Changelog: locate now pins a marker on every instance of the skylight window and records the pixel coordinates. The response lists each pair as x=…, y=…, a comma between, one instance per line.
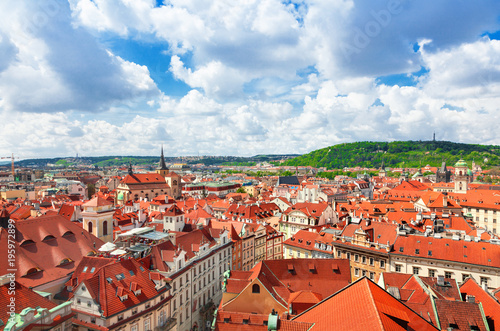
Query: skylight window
x=131, y=272
x=120, y=276
x=85, y=269
x=92, y=270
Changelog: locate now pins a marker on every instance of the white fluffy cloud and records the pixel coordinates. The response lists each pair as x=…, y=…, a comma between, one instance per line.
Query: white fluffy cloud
x=53, y=66
x=260, y=76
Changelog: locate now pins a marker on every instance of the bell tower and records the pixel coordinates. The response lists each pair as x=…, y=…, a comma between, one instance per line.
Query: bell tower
x=461, y=177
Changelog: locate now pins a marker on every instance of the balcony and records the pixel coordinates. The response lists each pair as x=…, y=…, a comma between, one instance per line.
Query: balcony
x=167, y=325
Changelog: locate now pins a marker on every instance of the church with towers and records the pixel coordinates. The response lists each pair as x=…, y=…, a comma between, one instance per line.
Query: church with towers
x=147, y=186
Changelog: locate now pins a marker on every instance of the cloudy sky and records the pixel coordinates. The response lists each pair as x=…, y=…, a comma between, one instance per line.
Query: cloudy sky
x=220, y=77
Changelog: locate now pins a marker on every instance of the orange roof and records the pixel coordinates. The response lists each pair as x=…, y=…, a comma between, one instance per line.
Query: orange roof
x=97, y=202
x=491, y=306
x=370, y=308
x=24, y=298
x=47, y=248
x=106, y=284
x=479, y=253
x=143, y=179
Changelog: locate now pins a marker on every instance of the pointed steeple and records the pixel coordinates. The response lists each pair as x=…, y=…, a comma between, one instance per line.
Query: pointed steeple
x=162, y=165
x=130, y=172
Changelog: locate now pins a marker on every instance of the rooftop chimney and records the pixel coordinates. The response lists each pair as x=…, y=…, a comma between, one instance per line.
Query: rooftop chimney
x=471, y=298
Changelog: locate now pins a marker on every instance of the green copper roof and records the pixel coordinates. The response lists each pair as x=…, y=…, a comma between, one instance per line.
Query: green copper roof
x=461, y=163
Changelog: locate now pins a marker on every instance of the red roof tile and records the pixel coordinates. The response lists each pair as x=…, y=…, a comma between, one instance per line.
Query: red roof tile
x=47, y=248
x=370, y=308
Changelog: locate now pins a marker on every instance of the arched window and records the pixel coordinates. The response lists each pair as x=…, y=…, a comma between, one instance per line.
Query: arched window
x=255, y=288
x=105, y=228
x=89, y=227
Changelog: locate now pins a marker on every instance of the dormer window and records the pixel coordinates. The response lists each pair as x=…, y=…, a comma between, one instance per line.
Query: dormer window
x=65, y=261
x=48, y=237
x=27, y=242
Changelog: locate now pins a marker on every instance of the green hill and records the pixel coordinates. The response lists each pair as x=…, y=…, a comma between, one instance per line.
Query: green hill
x=411, y=154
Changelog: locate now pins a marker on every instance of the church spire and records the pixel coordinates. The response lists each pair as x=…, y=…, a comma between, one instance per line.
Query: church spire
x=162, y=165
x=130, y=171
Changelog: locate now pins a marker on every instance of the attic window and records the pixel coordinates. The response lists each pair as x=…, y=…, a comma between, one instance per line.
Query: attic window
x=401, y=249
x=417, y=251
x=65, y=261
x=246, y=320
x=300, y=240
x=131, y=272
x=68, y=233
x=32, y=271
x=290, y=268
x=226, y=319
x=120, y=276
x=49, y=237
x=109, y=280
x=141, y=268
x=27, y=242
x=308, y=242
x=429, y=253
x=85, y=269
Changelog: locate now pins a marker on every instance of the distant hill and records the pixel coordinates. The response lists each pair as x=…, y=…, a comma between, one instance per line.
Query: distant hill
x=114, y=161
x=411, y=154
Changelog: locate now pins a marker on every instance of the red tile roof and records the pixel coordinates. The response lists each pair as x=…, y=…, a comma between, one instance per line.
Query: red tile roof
x=97, y=202
x=24, y=298
x=230, y=321
x=479, y=253
x=143, y=178
x=105, y=287
x=47, y=248
x=66, y=211
x=490, y=305
x=369, y=308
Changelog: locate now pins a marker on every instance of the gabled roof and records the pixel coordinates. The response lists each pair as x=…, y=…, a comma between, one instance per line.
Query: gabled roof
x=114, y=280
x=282, y=278
x=370, y=308
x=491, y=306
x=87, y=268
x=308, y=208
x=66, y=211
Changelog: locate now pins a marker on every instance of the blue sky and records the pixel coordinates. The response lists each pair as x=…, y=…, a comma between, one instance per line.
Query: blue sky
x=120, y=77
